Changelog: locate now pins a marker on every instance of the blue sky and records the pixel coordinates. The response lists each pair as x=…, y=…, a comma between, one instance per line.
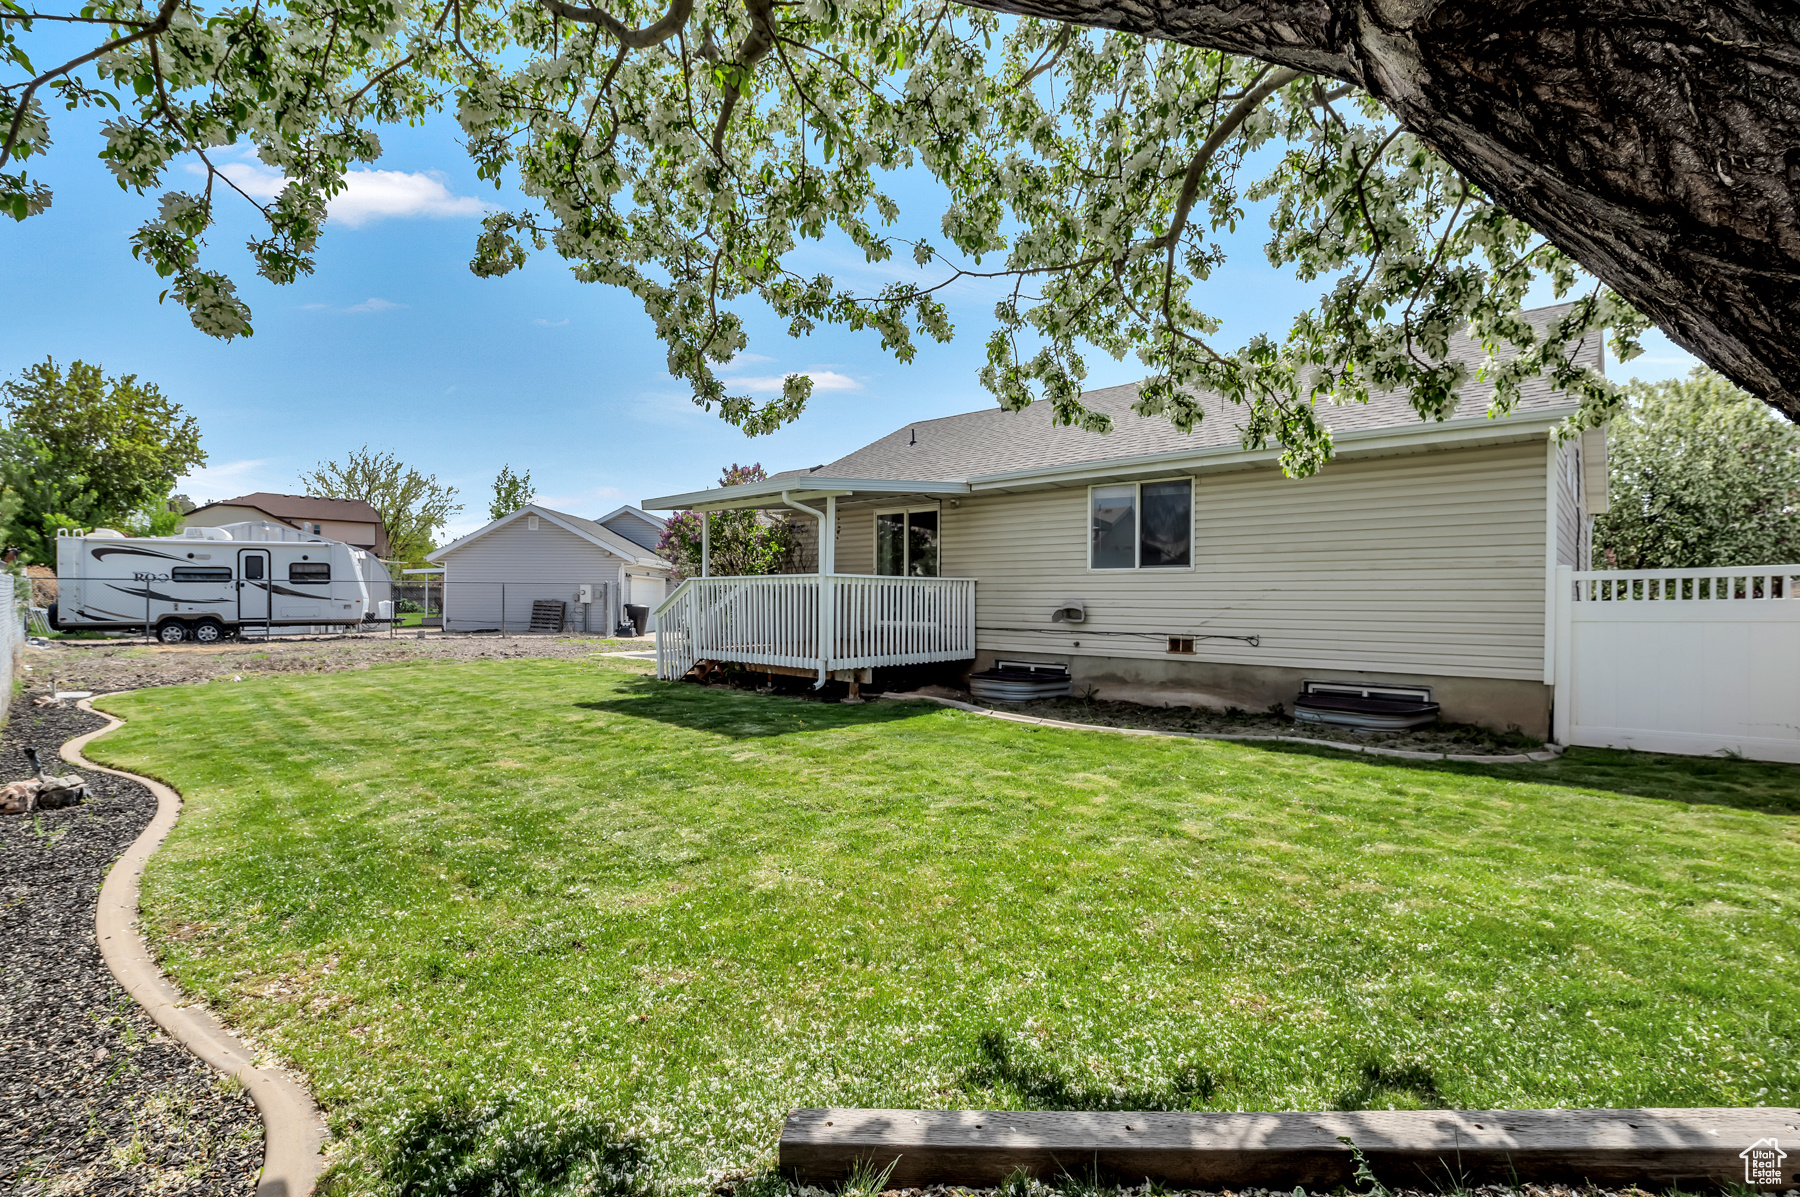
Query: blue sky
x=392, y=342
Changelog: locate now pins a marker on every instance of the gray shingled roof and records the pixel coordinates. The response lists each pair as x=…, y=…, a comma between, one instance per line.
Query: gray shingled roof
x=993, y=441
x=606, y=537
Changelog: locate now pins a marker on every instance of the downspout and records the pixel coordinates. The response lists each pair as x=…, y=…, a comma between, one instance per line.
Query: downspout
x=825, y=553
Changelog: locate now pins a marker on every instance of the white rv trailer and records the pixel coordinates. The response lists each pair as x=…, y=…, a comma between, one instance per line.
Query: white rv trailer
x=208, y=583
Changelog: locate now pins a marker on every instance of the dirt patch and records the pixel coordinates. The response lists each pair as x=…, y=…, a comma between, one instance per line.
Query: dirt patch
x=106, y=665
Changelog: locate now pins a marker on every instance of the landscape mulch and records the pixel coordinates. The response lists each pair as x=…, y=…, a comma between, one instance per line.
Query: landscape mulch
x=1041, y=1190
x=94, y=1098
x=1459, y=738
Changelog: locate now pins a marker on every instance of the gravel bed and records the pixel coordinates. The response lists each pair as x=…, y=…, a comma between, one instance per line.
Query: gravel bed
x=94, y=1098
x=106, y=665
x=1440, y=737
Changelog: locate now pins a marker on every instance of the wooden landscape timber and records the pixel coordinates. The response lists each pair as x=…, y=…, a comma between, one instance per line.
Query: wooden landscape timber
x=1655, y=1149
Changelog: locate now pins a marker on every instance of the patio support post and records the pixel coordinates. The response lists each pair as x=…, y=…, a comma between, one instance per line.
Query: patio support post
x=824, y=612
x=706, y=544
x=827, y=587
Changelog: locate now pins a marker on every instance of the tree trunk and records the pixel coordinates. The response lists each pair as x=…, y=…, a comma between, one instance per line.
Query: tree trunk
x=1655, y=141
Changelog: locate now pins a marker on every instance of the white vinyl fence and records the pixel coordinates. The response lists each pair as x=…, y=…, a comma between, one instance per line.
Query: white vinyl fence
x=1695, y=661
x=16, y=592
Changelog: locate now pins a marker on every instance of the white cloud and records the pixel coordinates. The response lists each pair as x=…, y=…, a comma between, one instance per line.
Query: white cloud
x=368, y=195
x=211, y=483
x=366, y=307
x=373, y=194
x=771, y=384
x=592, y=502
x=543, y=323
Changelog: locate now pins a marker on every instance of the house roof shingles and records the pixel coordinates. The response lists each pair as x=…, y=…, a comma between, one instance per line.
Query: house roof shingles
x=296, y=509
x=594, y=531
x=305, y=507
x=993, y=441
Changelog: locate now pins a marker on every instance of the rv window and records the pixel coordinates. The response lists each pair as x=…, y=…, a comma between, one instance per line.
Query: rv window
x=199, y=573
x=253, y=567
x=309, y=571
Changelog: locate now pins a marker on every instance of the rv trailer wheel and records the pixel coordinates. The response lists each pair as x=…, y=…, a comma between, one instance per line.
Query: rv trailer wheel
x=209, y=631
x=172, y=631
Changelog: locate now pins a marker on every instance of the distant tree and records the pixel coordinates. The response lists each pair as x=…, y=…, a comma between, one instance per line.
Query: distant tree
x=181, y=503
x=154, y=519
x=413, y=506
x=511, y=492
x=1701, y=474
x=743, y=542
x=47, y=499
x=81, y=449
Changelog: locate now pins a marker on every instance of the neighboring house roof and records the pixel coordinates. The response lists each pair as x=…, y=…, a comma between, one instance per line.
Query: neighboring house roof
x=297, y=509
x=269, y=515
x=628, y=520
x=589, y=530
x=994, y=441
x=304, y=507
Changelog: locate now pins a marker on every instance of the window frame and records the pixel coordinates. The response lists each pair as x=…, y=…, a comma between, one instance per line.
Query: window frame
x=1137, y=538
x=905, y=543
x=324, y=565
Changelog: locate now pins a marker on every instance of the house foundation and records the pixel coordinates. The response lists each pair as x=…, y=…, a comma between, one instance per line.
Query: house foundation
x=1502, y=704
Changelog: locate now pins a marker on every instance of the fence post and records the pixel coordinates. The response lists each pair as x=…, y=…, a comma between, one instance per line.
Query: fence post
x=1564, y=693
x=503, y=608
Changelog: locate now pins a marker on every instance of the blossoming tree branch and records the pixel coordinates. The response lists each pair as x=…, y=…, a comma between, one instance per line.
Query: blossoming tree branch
x=1426, y=162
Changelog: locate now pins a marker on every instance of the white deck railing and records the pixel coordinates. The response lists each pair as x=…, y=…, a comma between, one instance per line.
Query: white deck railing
x=1717, y=584
x=815, y=622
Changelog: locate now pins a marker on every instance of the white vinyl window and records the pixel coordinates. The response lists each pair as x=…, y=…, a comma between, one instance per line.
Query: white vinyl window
x=1141, y=525
x=906, y=542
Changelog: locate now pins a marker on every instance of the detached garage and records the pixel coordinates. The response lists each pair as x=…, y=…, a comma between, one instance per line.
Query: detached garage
x=494, y=576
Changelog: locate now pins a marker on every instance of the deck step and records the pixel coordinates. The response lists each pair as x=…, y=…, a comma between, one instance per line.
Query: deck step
x=1406, y=1148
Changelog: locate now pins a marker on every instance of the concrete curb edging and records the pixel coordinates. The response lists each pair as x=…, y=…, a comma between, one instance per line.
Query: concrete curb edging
x=1550, y=753
x=293, y=1129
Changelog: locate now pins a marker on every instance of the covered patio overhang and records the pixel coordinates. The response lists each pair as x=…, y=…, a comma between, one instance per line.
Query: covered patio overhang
x=837, y=625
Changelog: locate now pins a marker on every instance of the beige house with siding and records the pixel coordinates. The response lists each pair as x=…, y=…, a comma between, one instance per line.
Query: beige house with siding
x=1198, y=574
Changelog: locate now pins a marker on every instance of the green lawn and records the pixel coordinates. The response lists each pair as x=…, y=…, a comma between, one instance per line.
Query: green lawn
x=684, y=911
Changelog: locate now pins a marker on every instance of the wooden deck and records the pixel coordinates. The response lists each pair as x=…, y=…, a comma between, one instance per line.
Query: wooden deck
x=1656, y=1149
x=821, y=623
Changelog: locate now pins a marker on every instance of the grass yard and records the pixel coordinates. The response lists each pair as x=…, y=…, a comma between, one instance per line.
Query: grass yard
x=683, y=911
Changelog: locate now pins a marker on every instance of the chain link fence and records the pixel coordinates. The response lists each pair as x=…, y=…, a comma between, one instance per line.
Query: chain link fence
x=190, y=603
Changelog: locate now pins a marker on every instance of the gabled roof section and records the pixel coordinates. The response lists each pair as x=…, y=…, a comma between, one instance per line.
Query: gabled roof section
x=589, y=530
x=992, y=441
x=635, y=519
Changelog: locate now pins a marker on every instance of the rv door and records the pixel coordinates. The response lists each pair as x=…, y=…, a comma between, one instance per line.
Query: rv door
x=253, y=585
